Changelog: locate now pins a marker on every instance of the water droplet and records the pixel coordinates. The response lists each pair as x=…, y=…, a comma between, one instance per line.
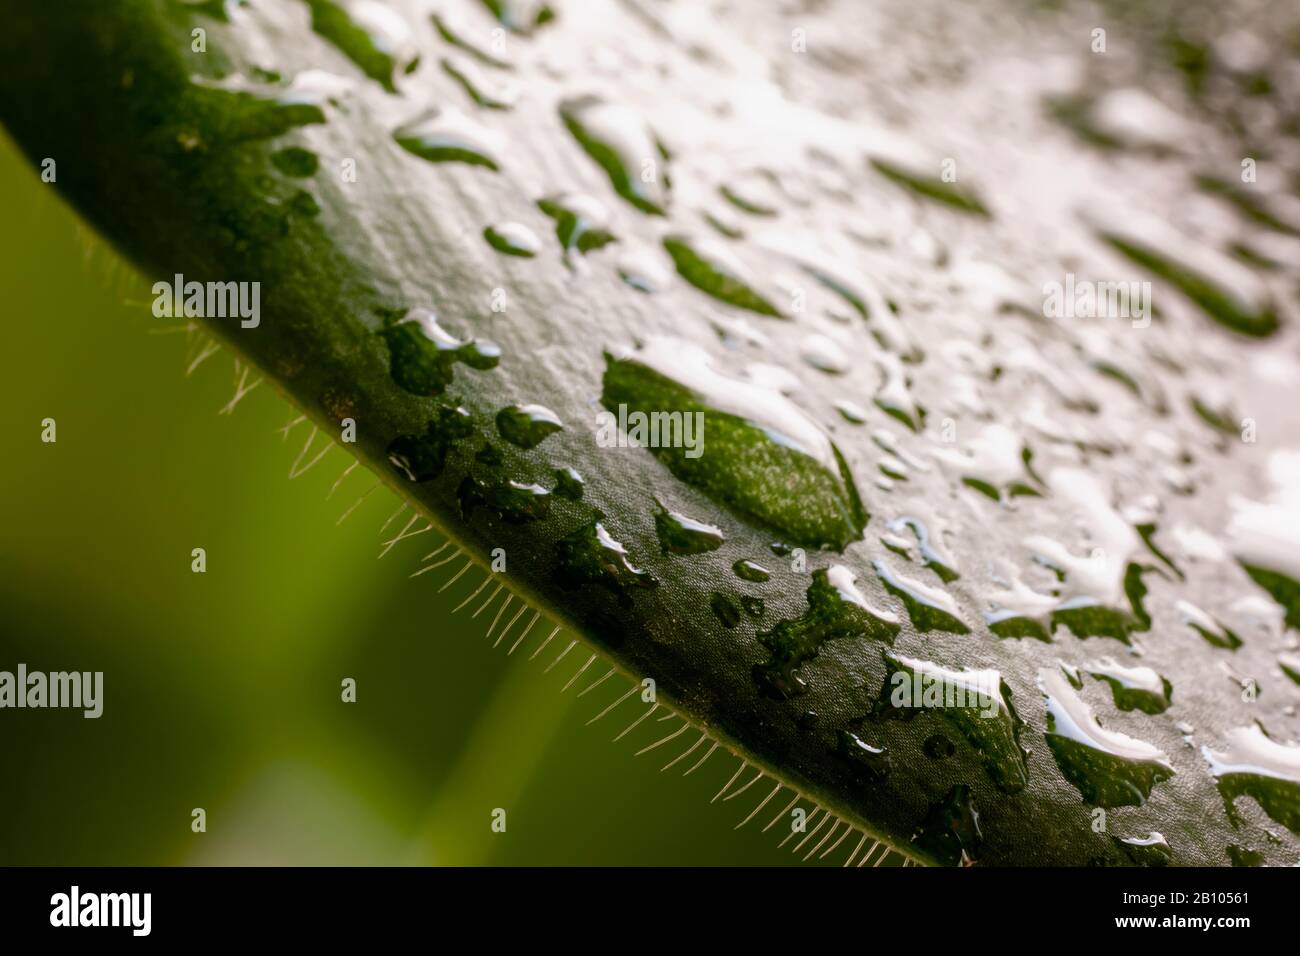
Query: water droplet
x=641, y=268
x=513, y=239
x=479, y=87
x=449, y=136
x=1279, y=212
x=824, y=354
x=1206, y=626
x=568, y=484
x=936, y=561
x=1217, y=411
x=1108, y=768
x=725, y=222
x=217, y=9
x=1290, y=665
x=1133, y=688
x=724, y=609
x=711, y=268
x=938, y=747
x=995, y=463
x=1128, y=117
x=511, y=501
x=950, y=832
x=251, y=110
x=746, y=197
x=953, y=195
x=295, y=161
x=423, y=353
x=975, y=703
x=894, y=395
x=750, y=571
x=930, y=609
x=319, y=88
x=527, y=426
x=1265, y=535
x=764, y=456
x=460, y=38
x=874, y=760
x=371, y=34
x=836, y=609
x=619, y=140
x=1253, y=765
x=851, y=412
x=581, y=222
x=1244, y=856
x=591, y=556
x=1095, y=587
x=303, y=204
x=422, y=457
x=1150, y=850
x=1226, y=291
x=679, y=534
x=521, y=16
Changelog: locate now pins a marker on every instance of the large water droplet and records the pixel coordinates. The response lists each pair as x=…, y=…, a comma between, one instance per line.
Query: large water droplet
x=757, y=451
x=1108, y=768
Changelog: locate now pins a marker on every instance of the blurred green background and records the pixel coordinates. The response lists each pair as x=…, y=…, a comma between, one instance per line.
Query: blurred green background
x=222, y=690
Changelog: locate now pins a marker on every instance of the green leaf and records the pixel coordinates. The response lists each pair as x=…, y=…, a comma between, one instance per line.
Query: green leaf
x=323, y=151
